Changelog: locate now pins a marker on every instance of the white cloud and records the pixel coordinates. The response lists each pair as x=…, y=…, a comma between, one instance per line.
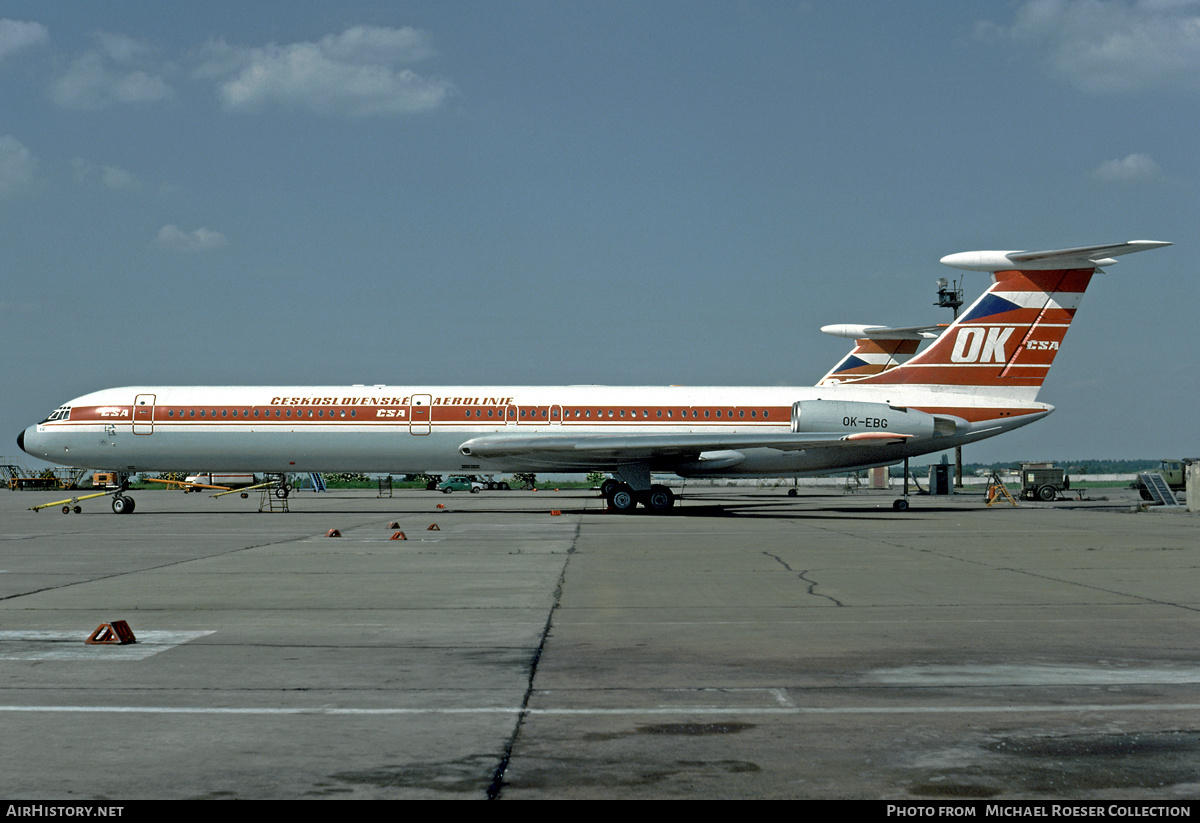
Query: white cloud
x=173, y=237
x=16, y=35
x=1105, y=46
x=353, y=73
x=117, y=178
x=121, y=70
x=17, y=167
x=1130, y=169
x=111, y=177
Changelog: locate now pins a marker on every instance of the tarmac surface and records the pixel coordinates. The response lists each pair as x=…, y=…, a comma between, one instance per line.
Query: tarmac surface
x=747, y=645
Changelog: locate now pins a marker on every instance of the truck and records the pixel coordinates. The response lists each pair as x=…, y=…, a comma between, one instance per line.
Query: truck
x=1172, y=469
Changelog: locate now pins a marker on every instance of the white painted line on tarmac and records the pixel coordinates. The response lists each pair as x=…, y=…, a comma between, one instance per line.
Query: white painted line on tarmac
x=659, y=711
x=70, y=645
x=1035, y=675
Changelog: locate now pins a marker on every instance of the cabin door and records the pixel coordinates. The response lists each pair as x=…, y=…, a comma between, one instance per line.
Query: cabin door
x=419, y=410
x=143, y=414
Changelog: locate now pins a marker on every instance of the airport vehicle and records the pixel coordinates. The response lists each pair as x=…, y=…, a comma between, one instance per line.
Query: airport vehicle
x=977, y=378
x=460, y=484
x=1043, y=481
x=1172, y=471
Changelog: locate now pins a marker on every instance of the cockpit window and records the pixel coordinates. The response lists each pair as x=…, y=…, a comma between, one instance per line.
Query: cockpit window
x=61, y=413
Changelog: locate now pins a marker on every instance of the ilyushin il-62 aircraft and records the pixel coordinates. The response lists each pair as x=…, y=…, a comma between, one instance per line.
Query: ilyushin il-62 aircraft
x=882, y=404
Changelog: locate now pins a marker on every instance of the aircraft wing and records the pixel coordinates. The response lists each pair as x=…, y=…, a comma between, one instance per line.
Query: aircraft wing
x=626, y=448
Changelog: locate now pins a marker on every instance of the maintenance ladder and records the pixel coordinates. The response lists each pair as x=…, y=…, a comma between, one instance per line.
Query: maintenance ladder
x=997, y=491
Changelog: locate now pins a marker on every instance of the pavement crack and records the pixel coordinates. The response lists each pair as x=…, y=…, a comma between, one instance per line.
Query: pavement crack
x=497, y=784
x=812, y=584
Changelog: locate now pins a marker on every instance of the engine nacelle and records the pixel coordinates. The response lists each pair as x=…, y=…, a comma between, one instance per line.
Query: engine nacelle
x=856, y=417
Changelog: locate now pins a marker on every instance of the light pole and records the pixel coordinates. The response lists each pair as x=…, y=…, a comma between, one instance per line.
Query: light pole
x=950, y=296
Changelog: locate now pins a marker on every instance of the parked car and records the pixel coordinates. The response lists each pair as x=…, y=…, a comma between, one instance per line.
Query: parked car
x=460, y=483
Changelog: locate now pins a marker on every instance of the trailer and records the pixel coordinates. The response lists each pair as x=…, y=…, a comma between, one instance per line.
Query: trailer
x=1043, y=481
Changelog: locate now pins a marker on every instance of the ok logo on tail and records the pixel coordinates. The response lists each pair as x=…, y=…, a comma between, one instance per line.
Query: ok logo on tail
x=975, y=344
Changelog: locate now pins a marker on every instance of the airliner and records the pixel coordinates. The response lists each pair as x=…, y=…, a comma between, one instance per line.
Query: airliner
x=882, y=404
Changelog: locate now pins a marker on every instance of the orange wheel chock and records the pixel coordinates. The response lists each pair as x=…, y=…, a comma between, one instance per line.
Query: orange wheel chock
x=398, y=536
x=333, y=533
x=433, y=527
x=114, y=633
x=555, y=512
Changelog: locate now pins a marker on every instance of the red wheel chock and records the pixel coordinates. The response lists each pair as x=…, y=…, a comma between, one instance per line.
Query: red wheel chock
x=114, y=633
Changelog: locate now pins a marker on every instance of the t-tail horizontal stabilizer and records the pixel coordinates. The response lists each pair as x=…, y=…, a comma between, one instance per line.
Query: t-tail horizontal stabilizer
x=1082, y=257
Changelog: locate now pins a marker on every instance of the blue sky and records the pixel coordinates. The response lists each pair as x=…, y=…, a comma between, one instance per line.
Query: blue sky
x=610, y=192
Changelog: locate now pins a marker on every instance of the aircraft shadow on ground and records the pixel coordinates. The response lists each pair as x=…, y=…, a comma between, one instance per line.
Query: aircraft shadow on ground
x=808, y=506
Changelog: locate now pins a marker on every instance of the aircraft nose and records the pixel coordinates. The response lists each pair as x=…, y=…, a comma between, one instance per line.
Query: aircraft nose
x=26, y=446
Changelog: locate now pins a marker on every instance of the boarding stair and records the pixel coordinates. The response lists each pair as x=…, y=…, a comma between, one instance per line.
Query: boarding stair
x=1160, y=492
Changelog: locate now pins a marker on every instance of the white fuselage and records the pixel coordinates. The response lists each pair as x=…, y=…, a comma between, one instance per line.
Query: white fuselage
x=408, y=429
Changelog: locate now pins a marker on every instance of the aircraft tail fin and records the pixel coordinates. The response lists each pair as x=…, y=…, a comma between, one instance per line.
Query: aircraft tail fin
x=1006, y=341
x=876, y=349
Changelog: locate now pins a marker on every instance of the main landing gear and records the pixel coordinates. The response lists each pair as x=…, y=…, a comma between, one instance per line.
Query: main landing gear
x=624, y=498
x=901, y=505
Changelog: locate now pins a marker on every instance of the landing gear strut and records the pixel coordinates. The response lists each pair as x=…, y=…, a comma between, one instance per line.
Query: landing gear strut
x=901, y=505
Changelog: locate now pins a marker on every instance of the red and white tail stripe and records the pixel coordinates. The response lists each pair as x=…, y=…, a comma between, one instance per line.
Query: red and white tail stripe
x=870, y=357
